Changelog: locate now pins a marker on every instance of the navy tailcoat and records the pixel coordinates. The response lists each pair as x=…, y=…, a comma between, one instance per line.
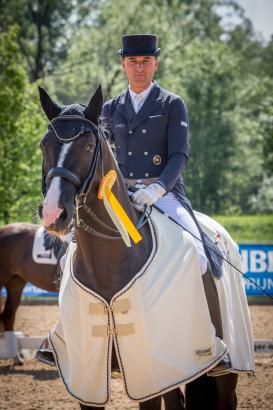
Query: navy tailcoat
x=152, y=142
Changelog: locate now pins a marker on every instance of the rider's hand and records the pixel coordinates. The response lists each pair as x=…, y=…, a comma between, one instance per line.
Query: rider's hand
x=149, y=195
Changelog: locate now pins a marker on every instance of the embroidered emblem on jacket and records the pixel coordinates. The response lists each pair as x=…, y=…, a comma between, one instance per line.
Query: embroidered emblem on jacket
x=157, y=159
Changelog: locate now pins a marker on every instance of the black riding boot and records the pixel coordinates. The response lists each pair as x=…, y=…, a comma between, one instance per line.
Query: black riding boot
x=213, y=302
x=216, y=319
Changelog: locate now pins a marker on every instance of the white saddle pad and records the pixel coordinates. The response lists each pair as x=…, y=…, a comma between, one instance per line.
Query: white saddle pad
x=39, y=253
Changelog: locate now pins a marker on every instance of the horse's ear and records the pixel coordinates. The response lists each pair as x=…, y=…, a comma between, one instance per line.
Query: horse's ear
x=51, y=109
x=94, y=107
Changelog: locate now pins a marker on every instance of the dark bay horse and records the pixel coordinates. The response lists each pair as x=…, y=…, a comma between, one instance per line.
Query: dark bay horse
x=75, y=159
x=17, y=267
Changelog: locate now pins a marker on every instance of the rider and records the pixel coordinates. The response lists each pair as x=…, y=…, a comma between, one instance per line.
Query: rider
x=149, y=127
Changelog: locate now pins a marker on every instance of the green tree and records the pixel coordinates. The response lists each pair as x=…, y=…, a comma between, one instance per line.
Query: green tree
x=43, y=31
x=21, y=128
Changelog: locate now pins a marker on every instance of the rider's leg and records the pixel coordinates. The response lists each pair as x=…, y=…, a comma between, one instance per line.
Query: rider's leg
x=173, y=208
x=213, y=302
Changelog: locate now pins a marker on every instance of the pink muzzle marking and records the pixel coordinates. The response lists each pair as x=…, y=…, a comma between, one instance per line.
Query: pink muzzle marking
x=51, y=211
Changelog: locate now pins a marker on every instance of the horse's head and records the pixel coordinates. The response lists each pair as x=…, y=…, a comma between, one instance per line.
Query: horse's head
x=70, y=150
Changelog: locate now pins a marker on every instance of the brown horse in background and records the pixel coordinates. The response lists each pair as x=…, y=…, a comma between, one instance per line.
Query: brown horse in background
x=17, y=267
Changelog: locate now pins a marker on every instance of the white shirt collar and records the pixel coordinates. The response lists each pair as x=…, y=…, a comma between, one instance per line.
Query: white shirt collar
x=143, y=95
x=139, y=99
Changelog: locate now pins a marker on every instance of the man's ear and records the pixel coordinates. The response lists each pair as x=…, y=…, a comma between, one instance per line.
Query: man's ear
x=122, y=65
x=157, y=64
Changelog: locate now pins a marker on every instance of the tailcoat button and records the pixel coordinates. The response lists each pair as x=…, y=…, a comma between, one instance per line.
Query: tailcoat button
x=146, y=175
x=131, y=174
x=145, y=153
x=144, y=131
x=130, y=132
x=130, y=153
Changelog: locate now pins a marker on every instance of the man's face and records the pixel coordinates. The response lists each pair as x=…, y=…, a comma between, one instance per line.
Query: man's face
x=140, y=71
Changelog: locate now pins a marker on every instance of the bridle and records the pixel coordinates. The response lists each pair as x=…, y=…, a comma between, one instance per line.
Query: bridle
x=83, y=187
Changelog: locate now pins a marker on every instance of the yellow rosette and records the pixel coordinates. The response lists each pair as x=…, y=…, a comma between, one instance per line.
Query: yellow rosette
x=115, y=210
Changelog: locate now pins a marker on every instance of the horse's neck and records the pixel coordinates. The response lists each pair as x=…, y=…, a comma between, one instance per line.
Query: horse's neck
x=105, y=265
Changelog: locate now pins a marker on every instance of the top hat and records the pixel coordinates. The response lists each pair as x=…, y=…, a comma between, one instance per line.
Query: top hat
x=139, y=45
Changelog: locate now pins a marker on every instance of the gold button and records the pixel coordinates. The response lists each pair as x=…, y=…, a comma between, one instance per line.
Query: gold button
x=157, y=159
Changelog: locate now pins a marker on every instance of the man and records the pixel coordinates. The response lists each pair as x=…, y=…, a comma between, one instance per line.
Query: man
x=149, y=127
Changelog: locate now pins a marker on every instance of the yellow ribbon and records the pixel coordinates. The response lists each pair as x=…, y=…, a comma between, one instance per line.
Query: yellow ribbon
x=116, y=211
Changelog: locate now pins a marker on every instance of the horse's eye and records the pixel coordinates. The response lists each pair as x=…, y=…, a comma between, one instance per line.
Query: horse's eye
x=90, y=147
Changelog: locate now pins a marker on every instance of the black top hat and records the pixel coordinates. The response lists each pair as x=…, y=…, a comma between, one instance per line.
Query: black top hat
x=139, y=45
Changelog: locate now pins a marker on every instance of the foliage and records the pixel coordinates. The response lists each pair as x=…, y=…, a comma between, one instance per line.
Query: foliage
x=21, y=125
x=224, y=74
x=42, y=37
x=248, y=228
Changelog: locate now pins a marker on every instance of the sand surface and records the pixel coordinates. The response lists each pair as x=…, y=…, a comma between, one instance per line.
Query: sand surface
x=35, y=386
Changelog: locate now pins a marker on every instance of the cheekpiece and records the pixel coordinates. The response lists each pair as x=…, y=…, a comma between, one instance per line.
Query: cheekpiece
x=139, y=45
x=71, y=123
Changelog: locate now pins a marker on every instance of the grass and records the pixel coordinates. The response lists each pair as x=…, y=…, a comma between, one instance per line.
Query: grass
x=248, y=228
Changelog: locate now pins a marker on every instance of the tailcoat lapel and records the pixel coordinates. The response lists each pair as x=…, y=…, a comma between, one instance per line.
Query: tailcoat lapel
x=125, y=108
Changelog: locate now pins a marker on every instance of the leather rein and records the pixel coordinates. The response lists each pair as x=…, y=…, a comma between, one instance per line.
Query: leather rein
x=84, y=186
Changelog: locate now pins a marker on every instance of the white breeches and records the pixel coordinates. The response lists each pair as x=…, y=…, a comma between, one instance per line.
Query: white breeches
x=173, y=208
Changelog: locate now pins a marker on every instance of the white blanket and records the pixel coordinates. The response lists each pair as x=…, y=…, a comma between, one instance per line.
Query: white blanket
x=233, y=303
x=163, y=334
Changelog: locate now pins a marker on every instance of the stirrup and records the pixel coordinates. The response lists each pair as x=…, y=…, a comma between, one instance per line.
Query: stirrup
x=45, y=355
x=222, y=368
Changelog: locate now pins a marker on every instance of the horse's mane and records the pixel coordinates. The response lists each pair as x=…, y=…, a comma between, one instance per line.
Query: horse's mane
x=52, y=242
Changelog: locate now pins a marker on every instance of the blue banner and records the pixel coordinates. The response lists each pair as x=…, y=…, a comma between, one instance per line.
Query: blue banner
x=257, y=265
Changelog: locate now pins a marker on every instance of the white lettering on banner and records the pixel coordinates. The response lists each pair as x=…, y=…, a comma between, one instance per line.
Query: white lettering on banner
x=270, y=261
x=264, y=283
x=244, y=258
x=258, y=261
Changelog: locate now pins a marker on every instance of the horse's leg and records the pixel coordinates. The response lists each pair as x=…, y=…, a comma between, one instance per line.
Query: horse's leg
x=174, y=400
x=14, y=288
x=152, y=404
x=226, y=391
x=201, y=393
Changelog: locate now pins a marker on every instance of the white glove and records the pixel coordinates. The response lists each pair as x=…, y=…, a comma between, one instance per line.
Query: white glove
x=149, y=195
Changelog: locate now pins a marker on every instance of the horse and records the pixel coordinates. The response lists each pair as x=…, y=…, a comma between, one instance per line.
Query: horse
x=76, y=158
x=17, y=267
